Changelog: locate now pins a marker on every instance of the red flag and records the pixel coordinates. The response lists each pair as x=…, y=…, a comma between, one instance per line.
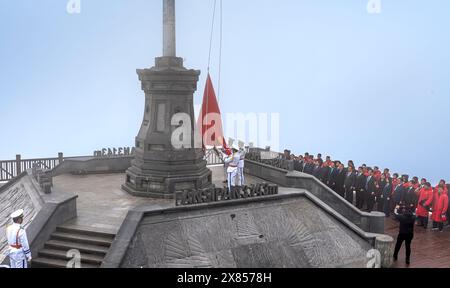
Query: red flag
x=210, y=119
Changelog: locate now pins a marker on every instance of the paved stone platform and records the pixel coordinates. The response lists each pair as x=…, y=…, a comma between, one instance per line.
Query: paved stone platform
x=103, y=205
x=430, y=249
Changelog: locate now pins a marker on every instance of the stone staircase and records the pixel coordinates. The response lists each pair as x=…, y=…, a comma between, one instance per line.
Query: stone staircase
x=92, y=245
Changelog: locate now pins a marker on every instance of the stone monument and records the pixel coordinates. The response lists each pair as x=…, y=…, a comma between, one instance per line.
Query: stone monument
x=159, y=170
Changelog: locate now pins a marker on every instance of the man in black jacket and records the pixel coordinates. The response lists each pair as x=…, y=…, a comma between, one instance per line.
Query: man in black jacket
x=370, y=189
x=340, y=180
x=410, y=198
x=316, y=170
x=349, y=184
x=360, y=188
x=324, y=173
x=407, y=219
x=332, y=177
x=309, y=166
x=298, y=163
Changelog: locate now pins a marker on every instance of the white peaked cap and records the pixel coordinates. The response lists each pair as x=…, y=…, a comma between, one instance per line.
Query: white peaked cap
x=17, y=213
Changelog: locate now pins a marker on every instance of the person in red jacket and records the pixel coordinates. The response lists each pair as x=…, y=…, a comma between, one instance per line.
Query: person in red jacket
x=440, y=206
x=426, y=195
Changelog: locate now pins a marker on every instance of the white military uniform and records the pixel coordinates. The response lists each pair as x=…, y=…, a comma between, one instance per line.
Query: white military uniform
x=19, y=249
x=241, y=166
x=232, y=170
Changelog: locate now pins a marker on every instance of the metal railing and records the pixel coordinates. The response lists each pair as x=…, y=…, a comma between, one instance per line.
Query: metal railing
x=9, y=169
x=212, y=158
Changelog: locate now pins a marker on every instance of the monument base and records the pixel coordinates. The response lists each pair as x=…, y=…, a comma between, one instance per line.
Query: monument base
x=163, y=179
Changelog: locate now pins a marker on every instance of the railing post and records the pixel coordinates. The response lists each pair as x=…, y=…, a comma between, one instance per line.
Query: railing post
x=18, y=165
x=60, y=157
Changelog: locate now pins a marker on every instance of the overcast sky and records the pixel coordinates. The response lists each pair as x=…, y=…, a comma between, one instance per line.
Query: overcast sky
x=370, y=87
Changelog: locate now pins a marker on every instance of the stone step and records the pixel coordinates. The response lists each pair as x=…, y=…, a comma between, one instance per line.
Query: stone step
x=42, y=262
x=62, y=255
x=82, y=247
x=73, y=229
x=85, y=239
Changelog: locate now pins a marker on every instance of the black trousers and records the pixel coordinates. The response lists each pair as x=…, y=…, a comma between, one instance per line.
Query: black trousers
x=340, y=190
x=380, y=204
x=438, y=225
x=360, y=198
x=349, y=195
x=370, y=201
x=407, y=238
x=423, y=221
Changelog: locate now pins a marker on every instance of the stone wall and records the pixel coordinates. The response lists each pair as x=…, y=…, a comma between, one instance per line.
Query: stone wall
x=43, y=212
x=21, y=193
x=92, y=165
x=275, y=231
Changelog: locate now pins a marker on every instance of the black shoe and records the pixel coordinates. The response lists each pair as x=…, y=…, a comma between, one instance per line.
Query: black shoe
x=408, y=262
x=395, y=258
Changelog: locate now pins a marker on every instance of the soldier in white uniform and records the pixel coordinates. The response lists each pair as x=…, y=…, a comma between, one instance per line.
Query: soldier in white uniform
x=241, y=166
x=19, y=249
x=232, y=162
x=225, y=154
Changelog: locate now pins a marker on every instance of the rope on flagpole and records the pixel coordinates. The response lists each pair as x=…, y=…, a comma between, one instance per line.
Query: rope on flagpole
x=220, y=52
x=212, y=33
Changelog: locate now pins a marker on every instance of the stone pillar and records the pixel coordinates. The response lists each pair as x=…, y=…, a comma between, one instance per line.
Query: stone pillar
x=169, y=33
x=18, y=164
x=60, y=157
x=376, y=222
x=385, y=245
x=159, y=170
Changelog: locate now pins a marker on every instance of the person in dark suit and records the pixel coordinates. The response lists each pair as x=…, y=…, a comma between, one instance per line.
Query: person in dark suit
x=398, y=192
x=360, y=188
x=410, y=197
x=379, y=194
x=298, y=163
x=332, y=178
x=371, y=190
x=349, y=184
x=309, y=166
x=387, y=197
x=340, y=181
x=324, y=173
x=316, y=170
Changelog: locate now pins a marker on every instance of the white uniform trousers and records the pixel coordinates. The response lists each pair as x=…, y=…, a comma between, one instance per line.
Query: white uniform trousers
x=17, y=259
x=232, y=173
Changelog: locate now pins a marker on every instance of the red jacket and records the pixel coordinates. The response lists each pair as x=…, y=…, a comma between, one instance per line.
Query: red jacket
x=435, y=196
x=441, y=207
x=425, y=196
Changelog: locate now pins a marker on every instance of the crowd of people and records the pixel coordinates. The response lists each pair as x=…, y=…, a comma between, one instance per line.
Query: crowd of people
x=371, y=189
